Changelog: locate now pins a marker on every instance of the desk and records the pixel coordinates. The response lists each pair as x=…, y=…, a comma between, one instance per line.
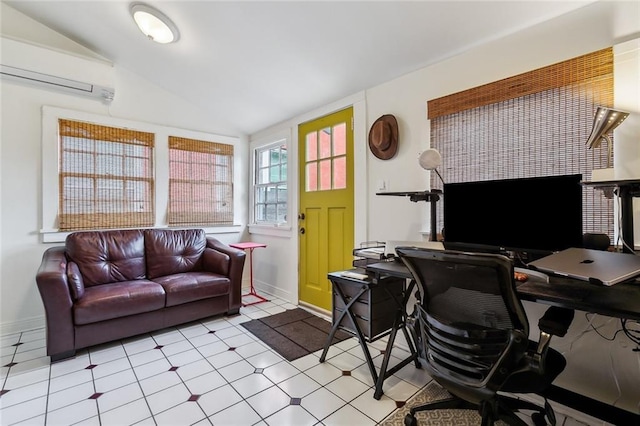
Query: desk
x=349, y=291
x=620, y=301
x=250, y=246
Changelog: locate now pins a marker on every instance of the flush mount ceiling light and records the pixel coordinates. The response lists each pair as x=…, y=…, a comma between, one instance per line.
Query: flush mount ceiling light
x=154, y=24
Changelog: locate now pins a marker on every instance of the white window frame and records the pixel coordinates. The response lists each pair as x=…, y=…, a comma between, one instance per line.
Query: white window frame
x=50, y=161
x=270, y=228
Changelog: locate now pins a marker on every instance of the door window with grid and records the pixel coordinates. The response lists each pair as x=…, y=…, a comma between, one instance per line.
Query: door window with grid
x=200, y=182
x=270, y=184
x=105, y=177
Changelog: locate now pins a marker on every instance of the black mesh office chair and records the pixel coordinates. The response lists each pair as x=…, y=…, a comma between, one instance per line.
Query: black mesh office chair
x=474, y=334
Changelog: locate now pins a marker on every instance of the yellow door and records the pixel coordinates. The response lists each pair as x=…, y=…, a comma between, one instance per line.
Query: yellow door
x=325, y=220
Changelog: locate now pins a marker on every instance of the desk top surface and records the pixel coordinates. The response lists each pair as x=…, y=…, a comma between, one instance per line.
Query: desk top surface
x=247, y=245
x=621, y=300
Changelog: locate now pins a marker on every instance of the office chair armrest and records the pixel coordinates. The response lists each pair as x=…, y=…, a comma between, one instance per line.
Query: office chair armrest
x=554, y=322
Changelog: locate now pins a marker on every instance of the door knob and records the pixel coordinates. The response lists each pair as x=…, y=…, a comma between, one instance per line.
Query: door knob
x=302, y=231
x=301, y=216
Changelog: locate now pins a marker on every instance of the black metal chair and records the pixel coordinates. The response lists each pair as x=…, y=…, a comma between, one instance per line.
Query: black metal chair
x=474, y=334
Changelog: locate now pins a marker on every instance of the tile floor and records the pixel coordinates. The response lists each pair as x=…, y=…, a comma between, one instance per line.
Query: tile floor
x=211, y=372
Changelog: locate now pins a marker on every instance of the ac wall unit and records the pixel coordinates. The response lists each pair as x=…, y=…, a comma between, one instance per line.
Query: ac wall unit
x=106, y=94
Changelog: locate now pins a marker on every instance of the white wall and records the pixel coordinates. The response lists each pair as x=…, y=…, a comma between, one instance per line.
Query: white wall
x=592, y=360
x=21, y=175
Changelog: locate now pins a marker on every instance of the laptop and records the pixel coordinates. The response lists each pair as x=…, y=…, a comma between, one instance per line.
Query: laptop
x=601, y=267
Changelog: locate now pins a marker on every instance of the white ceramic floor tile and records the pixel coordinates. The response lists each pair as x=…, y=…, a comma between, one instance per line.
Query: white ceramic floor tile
x=223, y=359
x=193, y=329
x=377, y=410
x=203, y=339
x=346, y=416
x=114, y=381
x=24, y=393
x=251, y=385
x=213, y=348
x=264, y=359
x=184, y=358
x=323, y=373
x=345, y=361
x=157, y=383
x=237, y=370
x=106, y=353
x=127, y=414
x=73, y=413
x=112, y=367
x=119, y=397
x=168, y=337
x=70, y=380
x=293, y=415
x=30, y=346
x=70, y=396
x=150, y=369
x=348, y=388
x=26, y=410
x=239, y=340
x=138, y=344
x=251, y=349
x=225, y=333
x=240, y=414
x=299, y=386
x=322, y=403
x=145, y=357
x=258, y=314
x=269, y=401
x=347, y=344
x=397, y=389
x=238, y=319
x=186, y=413
x=280, y=371
x=219, y=399
x=363, y=374
x=305, y=362
x=416, y=376
x=167, y=398
x=195, y=369
x=176, y=347
x=275, y=310
x=205, y=383
x=15, y=381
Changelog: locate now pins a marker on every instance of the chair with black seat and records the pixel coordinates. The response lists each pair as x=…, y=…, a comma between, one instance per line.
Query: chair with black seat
x=474, y=334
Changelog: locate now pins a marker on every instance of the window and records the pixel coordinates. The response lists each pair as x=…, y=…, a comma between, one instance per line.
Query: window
x=200, y=182
x=270, y=184
x=105, y=177
x=326, y=159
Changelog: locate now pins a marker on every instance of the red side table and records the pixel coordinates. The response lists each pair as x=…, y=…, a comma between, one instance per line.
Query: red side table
x=249, y=247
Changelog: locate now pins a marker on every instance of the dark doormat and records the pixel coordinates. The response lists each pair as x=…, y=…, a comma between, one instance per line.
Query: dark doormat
x=294, y=333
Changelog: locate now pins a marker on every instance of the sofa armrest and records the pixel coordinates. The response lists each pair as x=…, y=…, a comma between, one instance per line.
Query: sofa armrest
x=53, y=286
x=234, y=270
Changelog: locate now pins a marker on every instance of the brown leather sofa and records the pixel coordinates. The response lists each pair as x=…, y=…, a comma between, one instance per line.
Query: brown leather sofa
x=108, y=285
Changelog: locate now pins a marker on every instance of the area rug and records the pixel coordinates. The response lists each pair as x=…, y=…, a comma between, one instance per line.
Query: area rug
x=433, y=392
x=294, y=333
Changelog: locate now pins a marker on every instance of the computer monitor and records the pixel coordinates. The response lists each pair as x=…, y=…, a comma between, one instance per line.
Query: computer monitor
x=536, y=215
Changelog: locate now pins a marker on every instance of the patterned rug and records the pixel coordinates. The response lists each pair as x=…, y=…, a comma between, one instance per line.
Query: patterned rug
x=294, y=333
x=433, y=392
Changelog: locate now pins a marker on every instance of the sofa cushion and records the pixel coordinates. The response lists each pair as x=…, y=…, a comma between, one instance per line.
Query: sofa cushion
x=107, y=256
x=74, y=278
x=189, y=286
x=115, y=300
x=173, y=251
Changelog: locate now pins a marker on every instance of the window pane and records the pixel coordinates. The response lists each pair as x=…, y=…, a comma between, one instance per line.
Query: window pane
x=340, y=139
x=263, y=176
x=274, y=174
x=325, y=142
x=282, y=212
x=260, y=213
x=283, y=172
x=325, y=175
x=312, y=146
x=282, y=193
x=261, y=196
x=263, y=159
x=340, y=173
x=275, y=155
x=272, y=194
x=271, y=213
x=312, y=177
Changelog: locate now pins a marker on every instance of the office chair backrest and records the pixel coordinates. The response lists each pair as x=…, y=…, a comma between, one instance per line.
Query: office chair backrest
x=474, y=328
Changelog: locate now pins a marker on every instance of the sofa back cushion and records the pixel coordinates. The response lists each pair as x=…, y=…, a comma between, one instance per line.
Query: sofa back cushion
x=107, y=256
x=173, y=251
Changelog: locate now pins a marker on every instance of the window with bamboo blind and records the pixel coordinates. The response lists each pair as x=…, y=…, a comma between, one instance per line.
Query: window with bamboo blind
x=200, y=182
x=532, y=124
x=105, y=177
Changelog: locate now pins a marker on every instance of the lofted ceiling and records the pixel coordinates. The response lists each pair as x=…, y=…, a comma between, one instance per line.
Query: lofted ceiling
x=254, y=64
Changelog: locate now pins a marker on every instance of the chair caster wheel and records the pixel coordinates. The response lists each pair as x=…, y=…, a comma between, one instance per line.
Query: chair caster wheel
x=538, y=419
x=410, y=420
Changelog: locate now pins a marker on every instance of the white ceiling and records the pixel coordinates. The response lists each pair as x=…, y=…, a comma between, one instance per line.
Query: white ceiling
x=254, y=64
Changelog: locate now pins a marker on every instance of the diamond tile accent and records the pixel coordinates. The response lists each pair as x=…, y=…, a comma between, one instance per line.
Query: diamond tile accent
x=295, y=401
x=11, y=364
x=193, y=398
x=3, y=391
x=212, y=332
x=95, y=395
x=231, y=348
x=258, y=370
x=18, y=344
x=90, y=367
x=159, y=347
x=346, y=373
x=173, y=368
x=400, y=404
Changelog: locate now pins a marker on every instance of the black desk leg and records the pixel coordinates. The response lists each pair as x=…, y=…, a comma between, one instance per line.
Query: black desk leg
x=349, y=314
x=399, y=322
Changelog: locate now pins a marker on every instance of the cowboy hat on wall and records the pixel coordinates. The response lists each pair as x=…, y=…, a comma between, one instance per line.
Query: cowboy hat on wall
x=383, y=137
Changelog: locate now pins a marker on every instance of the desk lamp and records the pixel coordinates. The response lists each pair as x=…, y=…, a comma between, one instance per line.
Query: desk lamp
x=605, y=120
x=431, y=159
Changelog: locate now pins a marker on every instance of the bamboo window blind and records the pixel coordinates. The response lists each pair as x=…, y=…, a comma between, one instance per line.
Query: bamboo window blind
x=200, y=182
x=532, y=124
x=105, y=177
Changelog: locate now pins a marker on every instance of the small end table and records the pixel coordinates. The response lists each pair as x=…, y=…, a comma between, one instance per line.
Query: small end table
x=249, y=247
